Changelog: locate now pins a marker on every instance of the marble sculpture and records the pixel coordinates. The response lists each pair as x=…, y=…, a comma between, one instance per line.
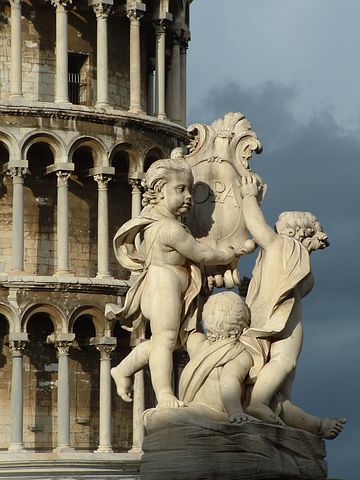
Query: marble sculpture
x=200, y=210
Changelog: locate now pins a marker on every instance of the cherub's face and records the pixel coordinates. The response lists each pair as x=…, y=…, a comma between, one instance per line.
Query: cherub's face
x=314, y=239
x=175, y=195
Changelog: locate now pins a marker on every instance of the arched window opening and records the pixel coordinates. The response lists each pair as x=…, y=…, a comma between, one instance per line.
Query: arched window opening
x=83, y=201
x=40, y=206
x=151, y=157
x=4, y=155
x=40, y=380
x=84, y=329
x=119, y=205
x=84, y=378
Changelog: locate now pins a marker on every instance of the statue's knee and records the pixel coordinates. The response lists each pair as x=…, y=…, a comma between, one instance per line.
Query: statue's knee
x=286, y=365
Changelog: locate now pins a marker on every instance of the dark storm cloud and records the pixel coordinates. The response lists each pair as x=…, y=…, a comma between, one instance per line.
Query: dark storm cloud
x=313, y=166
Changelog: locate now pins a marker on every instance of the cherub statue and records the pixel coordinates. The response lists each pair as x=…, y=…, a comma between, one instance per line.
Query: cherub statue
x=281, y=278
x=170, y=280
x=219, y=362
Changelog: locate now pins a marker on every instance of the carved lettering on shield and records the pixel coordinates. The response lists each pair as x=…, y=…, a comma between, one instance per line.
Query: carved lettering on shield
x=222, y=192
x=219, y=193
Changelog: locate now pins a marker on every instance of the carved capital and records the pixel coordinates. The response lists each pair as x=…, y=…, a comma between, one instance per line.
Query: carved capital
x=102, y=10
x=134, y=15
x=102, y=180
x=63, y=346
x=17, y=347
x=135, y=184
x=105, y=351
x=160, y=26
x=61, y=4
x=17, y=173
x=62, y=178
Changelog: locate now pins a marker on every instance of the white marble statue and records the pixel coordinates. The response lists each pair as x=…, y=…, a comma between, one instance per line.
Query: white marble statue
x=219, y=362
x=168, y=259
x=281, y=278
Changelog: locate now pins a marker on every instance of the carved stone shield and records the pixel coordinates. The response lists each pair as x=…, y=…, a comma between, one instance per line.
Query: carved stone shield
x=219, y=155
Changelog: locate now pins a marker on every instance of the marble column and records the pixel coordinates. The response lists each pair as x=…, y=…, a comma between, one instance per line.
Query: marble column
x=61, y=80
x=183, y=81
x=103, y=226
x=63, y=395
x=136, y=196
x=16, y=399
x=175, y=86
x=183, y=76
x=160, y=85
x=16, y=50
x=102, y=11
x=62, y=223
x=17, y=244
x=105, y=414
x=135, y=14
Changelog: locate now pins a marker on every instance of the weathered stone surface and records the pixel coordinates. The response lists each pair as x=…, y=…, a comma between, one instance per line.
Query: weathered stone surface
x=251, y=451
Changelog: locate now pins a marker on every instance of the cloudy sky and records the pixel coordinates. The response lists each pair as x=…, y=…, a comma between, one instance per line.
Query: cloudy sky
x=293, y=68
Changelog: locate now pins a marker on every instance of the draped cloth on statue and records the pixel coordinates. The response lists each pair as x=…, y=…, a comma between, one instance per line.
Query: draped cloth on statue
x=269, y=316
x=203, y=363
x=136, y=260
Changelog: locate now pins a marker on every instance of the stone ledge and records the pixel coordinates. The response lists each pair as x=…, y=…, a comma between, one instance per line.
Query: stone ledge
x=63, y=282
x=105, y=116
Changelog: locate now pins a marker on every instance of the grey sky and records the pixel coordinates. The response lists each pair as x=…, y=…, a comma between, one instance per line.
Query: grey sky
x=291, y=67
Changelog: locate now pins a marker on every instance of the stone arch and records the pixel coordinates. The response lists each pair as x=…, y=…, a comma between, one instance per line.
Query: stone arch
x=56, y=316
x=133, y=156
x=95, y=147
x=98, y=318
x=150, y=156
x=52, y=140
x=12, y=317
x=10, y=147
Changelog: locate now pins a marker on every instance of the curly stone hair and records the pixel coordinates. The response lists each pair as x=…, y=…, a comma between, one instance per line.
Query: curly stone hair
x=289, y=222
x=159, y=174
x=225, y=313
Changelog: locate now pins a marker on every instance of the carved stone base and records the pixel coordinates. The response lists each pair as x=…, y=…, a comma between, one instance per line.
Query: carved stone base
x=214, y=451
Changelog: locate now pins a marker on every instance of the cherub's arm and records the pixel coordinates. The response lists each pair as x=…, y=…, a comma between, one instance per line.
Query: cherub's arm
x=231, y=383
x=183, y=242
x=255, y=222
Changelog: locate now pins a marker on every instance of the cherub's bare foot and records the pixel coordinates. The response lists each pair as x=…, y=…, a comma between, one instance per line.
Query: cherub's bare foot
x=168, y=400
x=241, y=417
x=123, y=384
x=264, y=413
x=331, y=427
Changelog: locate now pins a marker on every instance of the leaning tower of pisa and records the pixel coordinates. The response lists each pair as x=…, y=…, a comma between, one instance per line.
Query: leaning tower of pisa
x=91, y=93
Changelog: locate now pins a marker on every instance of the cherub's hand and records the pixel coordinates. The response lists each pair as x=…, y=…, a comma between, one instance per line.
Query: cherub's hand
x=249, y=186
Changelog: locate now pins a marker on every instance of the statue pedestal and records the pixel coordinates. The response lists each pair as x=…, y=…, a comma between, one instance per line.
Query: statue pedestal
x=220, y=450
